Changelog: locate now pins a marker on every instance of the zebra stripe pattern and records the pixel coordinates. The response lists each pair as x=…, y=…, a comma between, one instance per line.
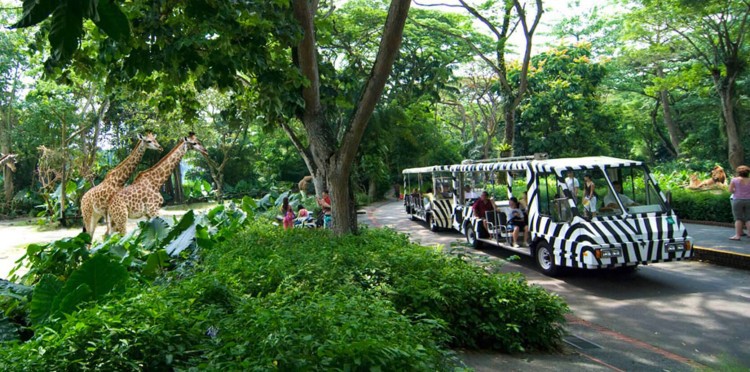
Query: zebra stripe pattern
x=642, y=238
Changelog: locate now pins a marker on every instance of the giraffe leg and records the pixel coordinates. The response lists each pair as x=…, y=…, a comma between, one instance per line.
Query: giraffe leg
x=118, y=217
x=91, y=224
x=106, y=222
x=87, y=210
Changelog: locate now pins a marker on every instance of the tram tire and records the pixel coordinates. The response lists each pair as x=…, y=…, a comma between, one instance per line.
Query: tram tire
x=545, y=260
x=471, y=238
x=627, y=270
x=433, y=225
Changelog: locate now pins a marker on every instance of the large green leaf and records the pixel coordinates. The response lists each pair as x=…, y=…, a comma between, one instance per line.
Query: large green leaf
x=35, y=11
x=155, y=262
x=187, y=220
x=100, y=273
x=153, y=232
x=66, y=30
x=70, y=301
x=43, y=298
x=182, y=241
x=112, y=20
x=248, y=205
x=8, y=330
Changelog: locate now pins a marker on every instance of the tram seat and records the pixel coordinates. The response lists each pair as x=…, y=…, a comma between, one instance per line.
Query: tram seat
x=497, y=224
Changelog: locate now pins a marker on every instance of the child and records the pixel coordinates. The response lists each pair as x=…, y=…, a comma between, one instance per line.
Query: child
x=301, y=211
x=288, y=213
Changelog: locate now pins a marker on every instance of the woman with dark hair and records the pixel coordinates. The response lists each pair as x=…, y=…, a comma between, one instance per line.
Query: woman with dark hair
x=288, y=213
x=589, y=195
x=517, y=220
x=739, y=187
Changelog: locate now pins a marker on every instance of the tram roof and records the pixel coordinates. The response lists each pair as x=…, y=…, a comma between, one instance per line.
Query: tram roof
x=430, y=169
x=588, y=162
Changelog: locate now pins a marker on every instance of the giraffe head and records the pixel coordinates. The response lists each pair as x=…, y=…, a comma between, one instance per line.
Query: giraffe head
x=192, y=143
x=150, y=141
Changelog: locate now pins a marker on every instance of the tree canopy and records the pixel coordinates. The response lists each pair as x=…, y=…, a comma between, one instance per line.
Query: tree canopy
x=352, y=92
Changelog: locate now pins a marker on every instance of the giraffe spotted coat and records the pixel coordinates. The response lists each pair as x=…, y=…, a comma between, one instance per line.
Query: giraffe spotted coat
x=142, y=197
x=95, y=202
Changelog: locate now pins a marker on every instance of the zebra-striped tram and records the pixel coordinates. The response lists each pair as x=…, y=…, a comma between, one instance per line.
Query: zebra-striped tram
x=428, y=195
x=590, y=212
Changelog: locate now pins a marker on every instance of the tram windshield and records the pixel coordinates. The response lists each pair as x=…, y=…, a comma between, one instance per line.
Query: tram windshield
x=608, y=192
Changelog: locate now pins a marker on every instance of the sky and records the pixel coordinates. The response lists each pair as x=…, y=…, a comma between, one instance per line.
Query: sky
x=555, y=11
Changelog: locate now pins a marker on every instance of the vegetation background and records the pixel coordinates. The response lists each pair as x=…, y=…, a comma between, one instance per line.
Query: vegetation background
x=351, y=93
x=664, y=82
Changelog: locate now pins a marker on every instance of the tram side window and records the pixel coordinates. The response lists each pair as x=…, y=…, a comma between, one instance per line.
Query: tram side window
x=552, y=202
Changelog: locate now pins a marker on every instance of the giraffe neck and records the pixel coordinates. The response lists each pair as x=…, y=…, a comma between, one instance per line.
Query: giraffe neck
x=160, y=172
x=119, y=174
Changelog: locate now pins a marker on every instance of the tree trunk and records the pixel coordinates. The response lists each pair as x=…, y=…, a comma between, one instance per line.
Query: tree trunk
x=509, y=113
x=220, y=188
x=319, y=182
x=372, y=189
x=179, y=194
x=64, y=180
x=8, y=186
x=675, y=134
x=725, y=87
x=664, y=140
x=168, y=188
x=333, y=159
x=6, y=125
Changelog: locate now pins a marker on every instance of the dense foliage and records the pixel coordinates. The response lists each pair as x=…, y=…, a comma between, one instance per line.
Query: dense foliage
x=708, y=205
x=205, y=292
x=653, y=81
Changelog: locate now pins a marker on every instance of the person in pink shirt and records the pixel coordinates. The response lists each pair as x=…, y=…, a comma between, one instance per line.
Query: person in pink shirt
x=739, y=187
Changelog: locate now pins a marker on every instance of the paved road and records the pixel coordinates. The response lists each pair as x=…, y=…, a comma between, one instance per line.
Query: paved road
x=668, y=316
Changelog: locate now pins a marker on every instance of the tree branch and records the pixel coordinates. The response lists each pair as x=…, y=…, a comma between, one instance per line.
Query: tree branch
x=468, y=42
x=389, y=48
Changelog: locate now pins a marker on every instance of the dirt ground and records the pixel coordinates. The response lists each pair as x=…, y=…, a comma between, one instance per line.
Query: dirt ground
x=16, y=234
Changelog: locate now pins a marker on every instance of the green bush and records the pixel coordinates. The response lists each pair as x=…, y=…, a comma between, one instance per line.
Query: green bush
x=710, y=205
x=267, y=298
x=479, y=310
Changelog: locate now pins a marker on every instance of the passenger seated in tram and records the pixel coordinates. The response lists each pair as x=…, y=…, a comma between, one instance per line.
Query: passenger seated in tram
x=610, y=202
x=524, y=202
x=469, y=194
x=427, y=198
x=483, y=205
x=517, y=222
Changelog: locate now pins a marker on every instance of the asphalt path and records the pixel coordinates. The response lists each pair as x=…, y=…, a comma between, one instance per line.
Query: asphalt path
x=669, y=316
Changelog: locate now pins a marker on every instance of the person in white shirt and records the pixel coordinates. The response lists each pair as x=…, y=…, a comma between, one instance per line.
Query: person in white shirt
x=572, y=182
x=611, y=202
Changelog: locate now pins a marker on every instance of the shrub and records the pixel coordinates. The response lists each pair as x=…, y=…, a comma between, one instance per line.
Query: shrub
x=479, y=310
x=266, y=298
x=711, y=205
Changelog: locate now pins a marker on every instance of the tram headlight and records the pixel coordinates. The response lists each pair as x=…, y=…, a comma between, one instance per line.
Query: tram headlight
x=674, y=247
x=607, y=252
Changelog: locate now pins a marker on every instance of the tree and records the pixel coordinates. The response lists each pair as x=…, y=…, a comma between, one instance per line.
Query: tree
x=512, y=14
x=716, y=32
x=563, y=116
x=12, y=64
x=224, y=44
x=331, y=162
x=651, y=49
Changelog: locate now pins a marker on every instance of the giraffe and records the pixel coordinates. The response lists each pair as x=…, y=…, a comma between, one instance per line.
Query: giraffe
x=95, y=201
x=9, y=161
x=142, y=197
